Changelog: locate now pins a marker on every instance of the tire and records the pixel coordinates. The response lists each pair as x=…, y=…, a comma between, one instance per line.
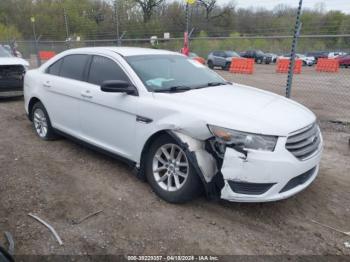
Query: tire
x=42, y=123
x=210, y=64
x=259, y=61
x=227, y=67
x=163, y=172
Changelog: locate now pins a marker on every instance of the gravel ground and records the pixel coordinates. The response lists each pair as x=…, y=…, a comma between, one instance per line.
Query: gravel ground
x=61, y=181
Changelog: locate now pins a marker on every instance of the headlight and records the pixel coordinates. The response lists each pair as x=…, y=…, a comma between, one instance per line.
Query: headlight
x=246, y=140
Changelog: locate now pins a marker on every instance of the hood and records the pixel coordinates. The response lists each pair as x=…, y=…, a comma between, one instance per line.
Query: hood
x=241, y=108
x=13, y=61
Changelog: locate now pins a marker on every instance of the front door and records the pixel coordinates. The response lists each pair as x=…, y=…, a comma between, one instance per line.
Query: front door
x=108, y=119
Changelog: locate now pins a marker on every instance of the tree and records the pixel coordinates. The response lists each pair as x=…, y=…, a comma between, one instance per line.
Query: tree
x=148, y=7
x=209, y=6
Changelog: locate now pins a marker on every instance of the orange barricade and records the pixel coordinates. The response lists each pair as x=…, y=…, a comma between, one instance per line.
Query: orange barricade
x=46, y=55
x=327, y=65
x=283, y=66
x=242, y=66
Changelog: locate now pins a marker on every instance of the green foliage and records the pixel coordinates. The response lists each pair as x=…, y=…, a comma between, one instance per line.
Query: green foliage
x=235, y=29
x=9, y=32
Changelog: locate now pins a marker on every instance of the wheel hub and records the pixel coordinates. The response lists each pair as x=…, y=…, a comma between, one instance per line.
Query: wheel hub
x=170, y=167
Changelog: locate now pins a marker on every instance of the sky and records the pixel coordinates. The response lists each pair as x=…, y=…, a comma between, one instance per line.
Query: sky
x=343, y=5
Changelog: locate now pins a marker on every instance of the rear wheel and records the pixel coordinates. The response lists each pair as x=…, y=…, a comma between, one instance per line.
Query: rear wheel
x=170, y=172
x=42, y=123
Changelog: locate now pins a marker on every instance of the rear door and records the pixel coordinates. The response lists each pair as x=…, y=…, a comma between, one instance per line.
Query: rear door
x=63, y=85
x=221, y=58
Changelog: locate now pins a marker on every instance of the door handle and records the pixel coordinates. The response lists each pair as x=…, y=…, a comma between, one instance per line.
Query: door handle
x=86, y=96
x=47, y=84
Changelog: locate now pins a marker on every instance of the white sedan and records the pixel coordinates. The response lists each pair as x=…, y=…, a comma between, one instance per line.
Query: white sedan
x=307, y=60
x=12, y=70
x=183, y=127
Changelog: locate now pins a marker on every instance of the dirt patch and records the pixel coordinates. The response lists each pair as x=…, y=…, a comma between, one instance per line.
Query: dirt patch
x=61, y=181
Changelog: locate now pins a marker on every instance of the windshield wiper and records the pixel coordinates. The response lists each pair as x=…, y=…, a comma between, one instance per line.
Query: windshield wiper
x=173, y=89
x=210, y=84
x=217, y=83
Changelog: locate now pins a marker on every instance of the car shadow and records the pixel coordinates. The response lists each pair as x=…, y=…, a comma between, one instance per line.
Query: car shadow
x=11, y=99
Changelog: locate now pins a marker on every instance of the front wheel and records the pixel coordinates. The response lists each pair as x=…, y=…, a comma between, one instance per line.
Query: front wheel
x=227, y=67
x=170, y=172
x=210, y=64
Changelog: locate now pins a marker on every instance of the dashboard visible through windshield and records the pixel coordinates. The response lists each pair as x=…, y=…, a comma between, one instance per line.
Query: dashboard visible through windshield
x=172, y=72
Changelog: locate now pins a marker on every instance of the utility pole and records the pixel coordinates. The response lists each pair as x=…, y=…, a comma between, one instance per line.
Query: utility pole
x=32, y=19
x=297, y=29
x=67, y=27
x=116, y=20
x=187, y=16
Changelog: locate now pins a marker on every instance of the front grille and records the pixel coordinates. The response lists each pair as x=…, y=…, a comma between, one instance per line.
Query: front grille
x=249, y=188
x=304, y=142
x=11, y=72
x=299, y=180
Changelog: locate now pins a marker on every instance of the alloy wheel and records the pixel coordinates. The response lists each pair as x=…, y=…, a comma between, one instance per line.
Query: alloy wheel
x=40, y=122
x=170, y=167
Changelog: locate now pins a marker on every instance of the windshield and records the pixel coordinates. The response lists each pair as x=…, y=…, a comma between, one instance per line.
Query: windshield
x=259, y=52
x=4, y=52
x=231, y=54
x=164, y=72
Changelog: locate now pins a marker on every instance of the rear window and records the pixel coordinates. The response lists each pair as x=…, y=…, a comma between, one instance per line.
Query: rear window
x=54, y=69
x=73, y=66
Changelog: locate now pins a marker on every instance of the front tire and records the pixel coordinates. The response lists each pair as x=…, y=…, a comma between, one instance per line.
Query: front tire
x=227, y=67
x=170, y=172
x=42, y=123
x=210, y=64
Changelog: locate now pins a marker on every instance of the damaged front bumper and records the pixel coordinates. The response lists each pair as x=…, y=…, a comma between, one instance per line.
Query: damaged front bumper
x=257, y=176
x=267, y=176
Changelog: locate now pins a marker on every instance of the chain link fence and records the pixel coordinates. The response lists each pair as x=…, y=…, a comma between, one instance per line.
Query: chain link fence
x=327, y=94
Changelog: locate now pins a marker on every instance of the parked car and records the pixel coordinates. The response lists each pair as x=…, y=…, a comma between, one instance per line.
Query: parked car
x=317, y=55
x=258, y=55
x=332, y=55
x=12, y=70
x=196, y=57
x=307, y=60
x=221, y=59
x=273, y=56
x=182, y=126
x=344, y=61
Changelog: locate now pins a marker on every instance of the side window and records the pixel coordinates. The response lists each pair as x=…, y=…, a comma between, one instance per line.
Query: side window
x=73, y=66
x=216, y=53
x=103, y=69
x=55, y=68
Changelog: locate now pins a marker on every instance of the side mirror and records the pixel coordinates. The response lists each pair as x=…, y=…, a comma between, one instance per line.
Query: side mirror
x=118, y=86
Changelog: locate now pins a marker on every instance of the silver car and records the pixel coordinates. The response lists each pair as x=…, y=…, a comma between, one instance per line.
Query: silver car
x=221, y=59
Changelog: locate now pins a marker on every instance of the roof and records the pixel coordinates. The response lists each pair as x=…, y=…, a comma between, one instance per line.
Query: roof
x=125, y=51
